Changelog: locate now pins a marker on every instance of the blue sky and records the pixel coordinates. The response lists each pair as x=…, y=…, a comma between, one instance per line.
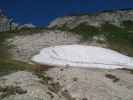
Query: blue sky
x=41, y=12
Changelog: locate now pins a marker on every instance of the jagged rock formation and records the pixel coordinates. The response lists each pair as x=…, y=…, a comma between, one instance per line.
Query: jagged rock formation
x=6, y=24
x=96, y=19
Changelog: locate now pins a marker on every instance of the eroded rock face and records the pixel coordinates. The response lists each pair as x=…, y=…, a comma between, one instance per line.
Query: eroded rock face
x=25, y=86
x=94, y=84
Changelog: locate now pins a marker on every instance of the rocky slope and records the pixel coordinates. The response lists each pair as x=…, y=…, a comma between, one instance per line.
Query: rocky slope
x=65, y=83
x=68, y=84
x=94, y=19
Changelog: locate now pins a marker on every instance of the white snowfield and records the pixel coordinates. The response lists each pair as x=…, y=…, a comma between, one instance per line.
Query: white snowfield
x=82, y=56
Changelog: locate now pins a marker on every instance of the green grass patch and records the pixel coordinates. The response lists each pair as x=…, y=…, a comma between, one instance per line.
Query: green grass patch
x=86, y=31
x=110, y=31
x=26, y=31
x=4, y=47
x=9, y=66
x=128, y=25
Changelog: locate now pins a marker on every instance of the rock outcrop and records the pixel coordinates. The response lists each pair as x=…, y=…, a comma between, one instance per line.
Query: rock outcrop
x=6, y=23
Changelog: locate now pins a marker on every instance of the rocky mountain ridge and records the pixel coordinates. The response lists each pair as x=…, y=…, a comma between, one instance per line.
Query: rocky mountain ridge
x=95, y=19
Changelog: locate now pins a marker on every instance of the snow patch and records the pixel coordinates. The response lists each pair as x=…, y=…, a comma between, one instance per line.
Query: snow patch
x=82, y=56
